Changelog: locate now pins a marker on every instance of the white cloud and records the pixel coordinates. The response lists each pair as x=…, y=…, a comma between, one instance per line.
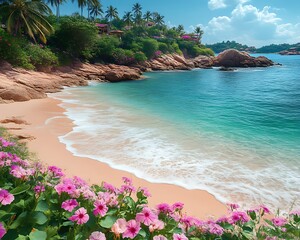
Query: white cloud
x=250, y=25
x=216, y=4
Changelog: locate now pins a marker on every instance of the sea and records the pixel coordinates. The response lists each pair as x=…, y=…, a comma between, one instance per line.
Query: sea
x=234, y=134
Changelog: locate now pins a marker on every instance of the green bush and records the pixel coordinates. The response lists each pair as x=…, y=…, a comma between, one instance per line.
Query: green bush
x=150, y=46
x=12, y=51
x=140, y=57
x=104, y=48
x=124, y=57
x=75, y=36
x=163, y=47
x=41, y=56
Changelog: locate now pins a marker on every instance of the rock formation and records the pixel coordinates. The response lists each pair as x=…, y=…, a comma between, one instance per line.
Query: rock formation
x=235, y=58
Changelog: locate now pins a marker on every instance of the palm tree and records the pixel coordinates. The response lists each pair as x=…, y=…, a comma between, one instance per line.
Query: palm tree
x=56, y=3
x=111, y=13
x=148, y=16
x=95, y=9
x=127, y=18
x=158, y=19
x=180, y=29
x=81, y=5
x=138, y=19
x=137, y=9
x=199, y=32
x=25, y=16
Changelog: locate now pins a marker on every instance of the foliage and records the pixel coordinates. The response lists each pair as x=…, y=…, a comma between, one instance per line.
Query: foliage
x=75, y=36
x=150, y=46
x=140, y=57
x=163, y=47
x=104, y=48
x=41, y=203
x=123, y=57
x=12, y=51
x=25, y=16
x=41, y=56
x=220, y=47
x=275, y=48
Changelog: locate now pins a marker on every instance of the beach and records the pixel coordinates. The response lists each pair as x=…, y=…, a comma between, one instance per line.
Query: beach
x=46, y=122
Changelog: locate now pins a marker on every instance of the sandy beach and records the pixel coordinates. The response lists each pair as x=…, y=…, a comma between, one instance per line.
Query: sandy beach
x=46, y=122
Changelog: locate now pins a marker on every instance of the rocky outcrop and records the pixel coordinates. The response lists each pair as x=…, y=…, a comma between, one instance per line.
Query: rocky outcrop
x=22, y=85
x=290, y=52
x=176, y=62
x=235, y=58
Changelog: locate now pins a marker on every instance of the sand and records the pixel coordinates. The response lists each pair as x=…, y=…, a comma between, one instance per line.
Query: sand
x=46, y=122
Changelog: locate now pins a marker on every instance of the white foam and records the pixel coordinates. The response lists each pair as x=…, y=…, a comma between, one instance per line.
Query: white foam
x=152, y=150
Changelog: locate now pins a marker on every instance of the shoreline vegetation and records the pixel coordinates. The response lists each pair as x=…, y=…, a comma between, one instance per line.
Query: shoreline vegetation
x=56, y=206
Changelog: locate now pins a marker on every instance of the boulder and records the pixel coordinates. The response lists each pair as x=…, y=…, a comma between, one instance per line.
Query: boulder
x=235, y=58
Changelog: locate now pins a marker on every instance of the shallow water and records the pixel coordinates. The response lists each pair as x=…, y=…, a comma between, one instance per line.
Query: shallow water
x=234, y=134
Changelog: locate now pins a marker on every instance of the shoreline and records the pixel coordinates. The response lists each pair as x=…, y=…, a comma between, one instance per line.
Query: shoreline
x=47, y=122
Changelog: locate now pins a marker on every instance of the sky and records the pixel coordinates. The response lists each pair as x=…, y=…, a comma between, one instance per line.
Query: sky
x=252, y=22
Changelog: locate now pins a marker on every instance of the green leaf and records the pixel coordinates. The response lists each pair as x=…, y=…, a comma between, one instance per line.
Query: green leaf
x=130, y=202
x=38, y=235
x=108, y=221
x=42, y=206
x=20, y=220
x=68, y=223
x=21, y=237
x=143, y=233
x=39, y=218
x=20, y=189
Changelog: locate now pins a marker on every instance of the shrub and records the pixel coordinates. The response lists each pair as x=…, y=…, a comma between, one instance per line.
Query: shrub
x=140, y=57
x=41, y=203
x=163, y=47
x=41, y=56
x=75, y=36
x=150, y=46
x=104, y=48
x=12, y=50
x=124, y=57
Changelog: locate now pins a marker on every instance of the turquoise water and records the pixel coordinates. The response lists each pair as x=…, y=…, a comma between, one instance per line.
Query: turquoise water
x=235, y=134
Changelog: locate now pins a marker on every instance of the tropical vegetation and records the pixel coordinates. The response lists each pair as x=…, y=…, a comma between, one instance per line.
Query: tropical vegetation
x=29, y=26
x=39, y=202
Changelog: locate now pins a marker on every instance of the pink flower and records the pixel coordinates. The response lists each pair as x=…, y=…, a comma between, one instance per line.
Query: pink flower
x=179, y=237
x=2, y=230
x=145, y=192
x=108, y=187
x=233, y=206
x=119, y=226
x=295, y=212
x=127, y=180
x=159, y=237
x=97, y=236
x=156, y=225
x=80, y=216
x=264, y=208
x=69, y=205
x=177, y=206
x=238, y=216
x=132, y=229
x=279, y=221
x=39, y=188
x=146, y=216
x=5, y=197
x=100, y=208
x=164, y=208
x=215, y=229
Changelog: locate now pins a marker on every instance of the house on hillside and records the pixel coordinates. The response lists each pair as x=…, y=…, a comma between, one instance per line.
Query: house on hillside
x=117, y=33
x=102, y=28
x=149, y=24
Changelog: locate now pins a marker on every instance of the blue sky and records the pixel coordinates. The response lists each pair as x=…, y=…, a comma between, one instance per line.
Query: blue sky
x=252, y=22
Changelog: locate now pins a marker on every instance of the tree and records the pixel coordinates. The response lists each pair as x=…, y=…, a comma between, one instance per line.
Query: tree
x=180, y=29
x=111, y=13
x=138, y=19
x=137, y=9
x=199, y=32
x=95, y=9
x=25, y=16
x=56, y=3
x=148, y=16
x=158, y=19
x=127, y=18
x=81, y=4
